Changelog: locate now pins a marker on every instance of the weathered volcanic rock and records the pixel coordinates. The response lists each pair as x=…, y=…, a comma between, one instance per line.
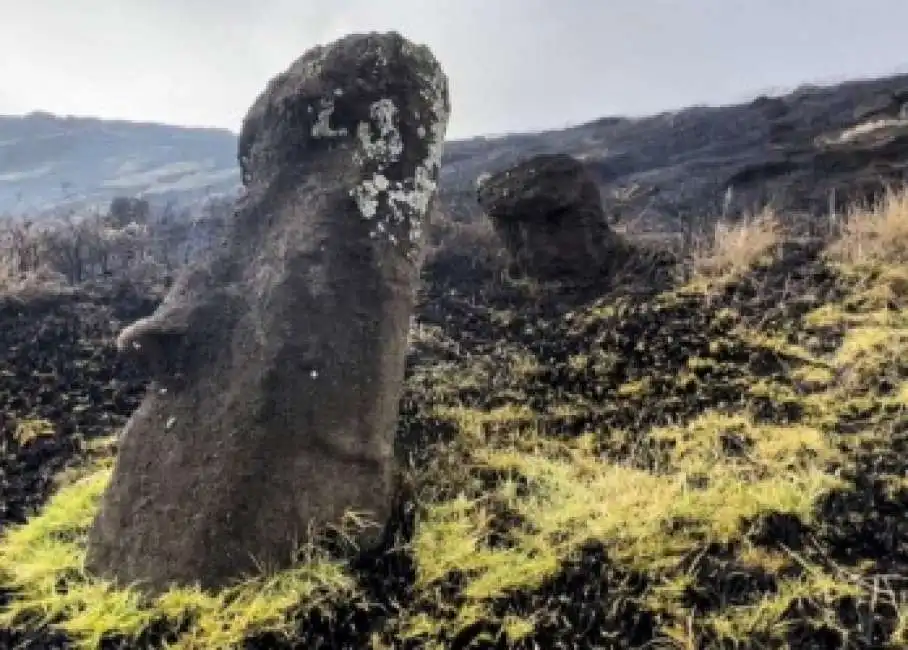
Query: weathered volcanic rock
x=278, y=361
x=548, y=212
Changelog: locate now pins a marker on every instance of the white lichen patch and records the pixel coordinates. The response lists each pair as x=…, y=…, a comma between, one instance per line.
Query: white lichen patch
x=426, y=178
x=366, y=197
x=407, y=200
x=388, y=146
x=322, y=127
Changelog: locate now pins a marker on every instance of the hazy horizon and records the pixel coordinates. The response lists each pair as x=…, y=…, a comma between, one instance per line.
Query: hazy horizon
x=514, y=66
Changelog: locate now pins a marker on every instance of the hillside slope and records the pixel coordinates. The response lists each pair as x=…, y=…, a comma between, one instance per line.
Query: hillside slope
x=47, y=162
x=661, y=171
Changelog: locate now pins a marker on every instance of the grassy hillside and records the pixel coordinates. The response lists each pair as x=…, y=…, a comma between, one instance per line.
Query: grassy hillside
x=718, y=460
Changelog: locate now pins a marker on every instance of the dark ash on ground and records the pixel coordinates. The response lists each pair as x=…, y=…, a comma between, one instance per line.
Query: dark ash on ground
x=718, y=464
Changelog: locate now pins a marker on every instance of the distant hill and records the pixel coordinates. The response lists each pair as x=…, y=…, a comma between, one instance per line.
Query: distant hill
x=802, y=151
x=47, y=162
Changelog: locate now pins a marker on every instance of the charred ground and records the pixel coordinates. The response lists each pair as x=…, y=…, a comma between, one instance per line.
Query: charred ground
x=680, y=458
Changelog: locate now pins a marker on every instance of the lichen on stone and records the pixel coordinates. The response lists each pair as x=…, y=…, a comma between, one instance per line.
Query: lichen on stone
x=426, y=176
x=322, y=126
x=388, y=147
x=408, y=199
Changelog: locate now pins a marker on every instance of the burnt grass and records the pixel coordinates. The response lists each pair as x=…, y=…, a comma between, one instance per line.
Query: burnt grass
x=57, y=363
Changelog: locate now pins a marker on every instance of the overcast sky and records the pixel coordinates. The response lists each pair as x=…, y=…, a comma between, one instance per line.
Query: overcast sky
x=514, y=65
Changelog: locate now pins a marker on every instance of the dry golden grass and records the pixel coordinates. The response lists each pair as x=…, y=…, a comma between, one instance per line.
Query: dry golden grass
x=29, y=430
x=875, y=234
x=735, y=246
